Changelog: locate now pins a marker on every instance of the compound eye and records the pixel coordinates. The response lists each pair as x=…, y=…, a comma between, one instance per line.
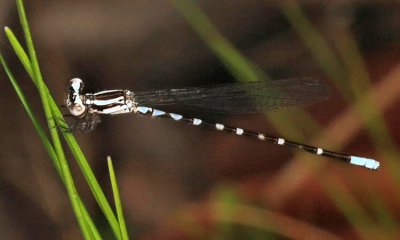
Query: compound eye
x=76, y=84
x=77, y=110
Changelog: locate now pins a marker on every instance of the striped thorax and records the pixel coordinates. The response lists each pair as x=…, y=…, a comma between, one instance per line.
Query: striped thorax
x=104, y=102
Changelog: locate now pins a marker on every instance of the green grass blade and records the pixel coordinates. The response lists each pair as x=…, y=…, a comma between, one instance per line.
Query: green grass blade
x=93, y=183
x=49, y=148
x=89, y=176
x=71, y=141
x=19, y=51
x=352, y=79
x=46, y=142
x=373, y=119
x=318, y=47
x=69, y=183
x=240, y=67
x=355, y=213
x=38, y=77
x=385, y=217
x=117, y=200
x=86, y=170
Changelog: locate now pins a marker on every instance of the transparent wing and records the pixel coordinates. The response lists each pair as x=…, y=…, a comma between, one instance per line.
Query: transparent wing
x=236, y=98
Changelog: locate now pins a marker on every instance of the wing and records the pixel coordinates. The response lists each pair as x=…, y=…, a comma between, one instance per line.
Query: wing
x=239, y=98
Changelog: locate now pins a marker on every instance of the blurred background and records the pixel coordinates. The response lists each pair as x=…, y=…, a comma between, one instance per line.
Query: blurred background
x=181, y=182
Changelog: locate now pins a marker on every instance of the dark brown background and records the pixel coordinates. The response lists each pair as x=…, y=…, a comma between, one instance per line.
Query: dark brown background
x=163, y=168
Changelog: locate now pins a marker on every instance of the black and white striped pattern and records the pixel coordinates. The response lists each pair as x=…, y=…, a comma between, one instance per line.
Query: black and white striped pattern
x=366, y=162
x=87, y=107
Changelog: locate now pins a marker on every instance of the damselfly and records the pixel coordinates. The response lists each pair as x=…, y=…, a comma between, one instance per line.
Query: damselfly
x=226, y=98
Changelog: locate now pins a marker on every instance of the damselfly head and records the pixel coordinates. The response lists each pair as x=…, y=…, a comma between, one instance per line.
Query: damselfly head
x=77, y=85
x=74, y=100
